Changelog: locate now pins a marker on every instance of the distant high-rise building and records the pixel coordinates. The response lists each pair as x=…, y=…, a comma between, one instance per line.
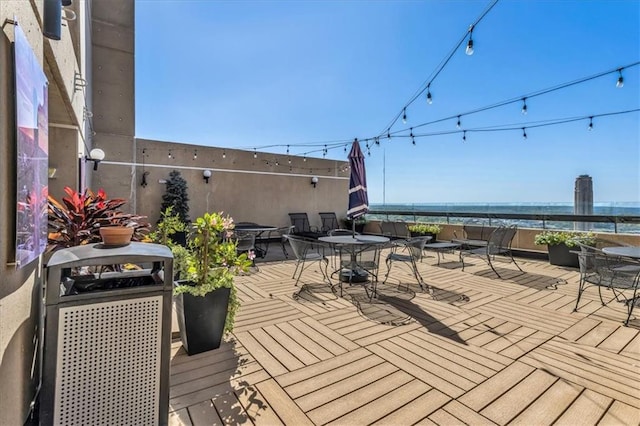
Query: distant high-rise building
x=583, y=200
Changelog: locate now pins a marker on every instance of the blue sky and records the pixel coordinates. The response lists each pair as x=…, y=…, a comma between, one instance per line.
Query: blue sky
x=245, y=74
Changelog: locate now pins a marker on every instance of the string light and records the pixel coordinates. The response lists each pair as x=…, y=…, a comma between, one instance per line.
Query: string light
x=224, y=154
x=464, y=136
x=345, y=148
x=524, y=133
x=288, y=149
x=304, y=159
x=195, y=154
x=255, y=153
x=590, y=127
x=524, y=106
x=413, y=139
x=458, y=124
x=429, y=97
x=169, y=156
x=388, y=135
x=469, y=49
x=620, y=82
x=404, y=115
x=289, y=160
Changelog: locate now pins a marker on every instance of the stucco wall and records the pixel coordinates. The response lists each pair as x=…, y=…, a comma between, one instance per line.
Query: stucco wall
x=261, y=189
x=20, y=297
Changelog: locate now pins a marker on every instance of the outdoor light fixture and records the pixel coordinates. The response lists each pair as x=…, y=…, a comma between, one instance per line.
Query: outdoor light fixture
x=404, y=115
x=469, y=49
x=96, y=155
x=314, y=181
x=52, y=19
x=590, y=127
x=524, y=106
x=620, y=82
x=429, y=97
x=206, y=174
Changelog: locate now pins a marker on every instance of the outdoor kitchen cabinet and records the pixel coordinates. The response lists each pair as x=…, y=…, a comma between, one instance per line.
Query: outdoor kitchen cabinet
x=107, y=337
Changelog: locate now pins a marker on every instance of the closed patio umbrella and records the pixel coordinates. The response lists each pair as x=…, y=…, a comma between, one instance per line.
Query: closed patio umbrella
x=358, y=198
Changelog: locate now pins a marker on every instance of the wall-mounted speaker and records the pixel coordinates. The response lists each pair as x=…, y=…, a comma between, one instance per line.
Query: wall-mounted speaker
x=52, y=19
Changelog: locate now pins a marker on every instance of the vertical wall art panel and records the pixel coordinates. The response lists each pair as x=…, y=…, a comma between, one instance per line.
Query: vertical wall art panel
x=32, y=126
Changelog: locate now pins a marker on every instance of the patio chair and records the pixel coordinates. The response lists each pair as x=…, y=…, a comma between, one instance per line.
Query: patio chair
x=499, y=243
x=307, y=253
x=281, y=234
x=329, y=221
x=302, y=227
x=394, y=230
x=620, y=275
x=412, y=249
x=246, y=243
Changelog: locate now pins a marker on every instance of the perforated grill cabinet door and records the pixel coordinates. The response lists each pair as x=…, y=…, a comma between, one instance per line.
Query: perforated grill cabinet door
x=108, y=363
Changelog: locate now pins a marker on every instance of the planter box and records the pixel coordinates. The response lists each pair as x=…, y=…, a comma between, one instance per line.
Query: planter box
x=560, y=255
x=201, y=319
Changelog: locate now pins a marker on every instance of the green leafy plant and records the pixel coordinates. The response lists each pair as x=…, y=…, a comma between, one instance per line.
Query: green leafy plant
x=211, y=261
x=170, y=224
x=425, y=228
x=77, y=219
x=569, y=238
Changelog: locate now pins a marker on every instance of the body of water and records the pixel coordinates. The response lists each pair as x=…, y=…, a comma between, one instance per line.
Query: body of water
x=601, y=209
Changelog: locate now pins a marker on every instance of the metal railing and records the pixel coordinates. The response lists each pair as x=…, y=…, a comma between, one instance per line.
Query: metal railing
x=546, y=221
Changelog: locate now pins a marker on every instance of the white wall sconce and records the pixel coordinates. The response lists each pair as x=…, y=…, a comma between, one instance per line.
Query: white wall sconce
x=206, y=174
x=96, y=155
x=314, y=181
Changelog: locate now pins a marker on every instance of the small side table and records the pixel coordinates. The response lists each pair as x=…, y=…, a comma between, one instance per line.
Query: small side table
x=442, y=248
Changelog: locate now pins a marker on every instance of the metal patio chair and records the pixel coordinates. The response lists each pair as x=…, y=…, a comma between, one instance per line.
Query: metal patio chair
x=408, y=252
x=499, y=243
x=329, y=221
x=618, y=274
x=307, y=253
x=302, y=227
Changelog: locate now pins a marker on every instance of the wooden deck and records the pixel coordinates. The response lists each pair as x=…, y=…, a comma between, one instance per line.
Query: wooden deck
x=479, y=350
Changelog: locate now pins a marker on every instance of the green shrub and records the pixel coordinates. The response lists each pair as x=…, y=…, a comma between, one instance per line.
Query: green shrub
x=569, y=238
x=425, y=228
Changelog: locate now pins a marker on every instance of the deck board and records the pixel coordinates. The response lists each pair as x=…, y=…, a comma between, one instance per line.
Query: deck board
x=477, y=350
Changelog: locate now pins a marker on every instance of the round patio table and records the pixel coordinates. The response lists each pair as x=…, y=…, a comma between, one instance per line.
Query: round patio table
x=632, y=251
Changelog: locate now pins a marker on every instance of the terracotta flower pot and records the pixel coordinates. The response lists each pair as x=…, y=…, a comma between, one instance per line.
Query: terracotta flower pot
x=116, y=235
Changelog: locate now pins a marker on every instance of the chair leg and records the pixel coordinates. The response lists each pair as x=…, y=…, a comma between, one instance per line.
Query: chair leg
x=388, y=262
x=284, y=250
x=494, y=269
x=581, y=287
x=631, y=303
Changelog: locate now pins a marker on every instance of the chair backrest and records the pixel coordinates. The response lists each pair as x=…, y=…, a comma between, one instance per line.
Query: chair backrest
x=283, y=231
x=245, y=241
x=300, y=222
x=329, y=221
x=394, y=229
x=303, y=248
x=415, y=245
x=499, y=237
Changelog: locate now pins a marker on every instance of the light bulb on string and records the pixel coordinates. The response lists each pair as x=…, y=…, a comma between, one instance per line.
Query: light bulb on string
x=524, y=106
x=255, y=153
x=195, y=154
x=524, y=133
x=413, y=139
x=620, y=82
x=458, y=124
x=377, y=141
x=277, y=163
x=224, y=154
x=287, y=149
x=429, y=97
x=388, y=135
x=469, y=49
x=404, y=115
x=464, y=136
x=289, y=160
x=345, y=148
x=304, y=159
x=590, y=127
x=169, y=155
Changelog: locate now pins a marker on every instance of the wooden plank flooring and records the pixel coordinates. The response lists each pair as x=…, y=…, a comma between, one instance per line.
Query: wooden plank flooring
x=475, y=350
